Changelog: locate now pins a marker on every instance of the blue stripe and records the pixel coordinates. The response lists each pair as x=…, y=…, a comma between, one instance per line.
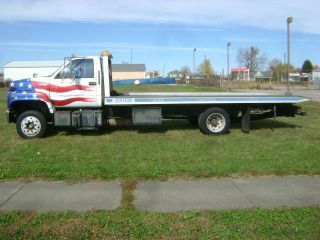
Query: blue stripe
x=145, y=81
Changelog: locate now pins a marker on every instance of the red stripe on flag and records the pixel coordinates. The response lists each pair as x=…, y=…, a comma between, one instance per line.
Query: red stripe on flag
x=43, y=97
x=60, y=89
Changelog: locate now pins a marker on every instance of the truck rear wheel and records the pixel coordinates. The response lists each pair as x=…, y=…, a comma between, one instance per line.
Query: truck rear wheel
x=214, y=121
x=31, y=124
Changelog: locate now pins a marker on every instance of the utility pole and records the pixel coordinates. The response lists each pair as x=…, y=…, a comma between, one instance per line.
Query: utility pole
x=221, y=78
x=283, y=76
x=204, y=65
x=131, y=55
x=289, y=21
x=194, y=60
x=228, y=59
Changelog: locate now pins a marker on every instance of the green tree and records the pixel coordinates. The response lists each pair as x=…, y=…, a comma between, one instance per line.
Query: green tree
x=205, y=67
x=307, y=67
x=251, y=58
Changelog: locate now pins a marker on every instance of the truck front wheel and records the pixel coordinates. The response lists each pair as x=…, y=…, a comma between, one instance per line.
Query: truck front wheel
x=31, y=124
x=214, y=121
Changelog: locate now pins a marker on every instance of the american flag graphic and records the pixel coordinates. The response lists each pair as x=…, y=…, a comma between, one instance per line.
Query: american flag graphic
x=27, y=89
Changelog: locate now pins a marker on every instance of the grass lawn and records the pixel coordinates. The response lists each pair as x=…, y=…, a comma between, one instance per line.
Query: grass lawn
x=282, y=147
x=165, y=88
x=175, y=149
x=129, y=224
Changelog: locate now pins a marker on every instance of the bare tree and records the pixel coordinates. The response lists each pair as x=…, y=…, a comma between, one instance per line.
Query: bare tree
x=185, y=71
x=251, y=58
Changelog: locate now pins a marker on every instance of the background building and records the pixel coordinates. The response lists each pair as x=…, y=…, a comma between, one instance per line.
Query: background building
x=30, y=69
x=175, y=74
x=316, y=77
x=240, y=74
x=128, y=71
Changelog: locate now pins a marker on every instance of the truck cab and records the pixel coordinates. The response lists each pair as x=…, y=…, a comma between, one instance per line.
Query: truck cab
x=81, y=82
x=77, y=85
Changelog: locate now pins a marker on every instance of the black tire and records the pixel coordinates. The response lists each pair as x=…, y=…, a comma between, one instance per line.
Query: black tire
x=214, y=121
x=31, y=124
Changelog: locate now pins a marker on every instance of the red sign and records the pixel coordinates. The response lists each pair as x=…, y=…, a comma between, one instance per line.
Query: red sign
x=240, y=69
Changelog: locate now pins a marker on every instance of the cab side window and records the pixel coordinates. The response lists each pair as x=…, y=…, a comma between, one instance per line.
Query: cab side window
x=83, y=68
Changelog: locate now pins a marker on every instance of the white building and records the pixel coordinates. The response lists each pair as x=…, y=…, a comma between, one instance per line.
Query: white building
x=316, y=78
x=28, y=69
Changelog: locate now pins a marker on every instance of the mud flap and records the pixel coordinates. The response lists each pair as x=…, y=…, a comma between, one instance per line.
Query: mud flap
x=245, y=121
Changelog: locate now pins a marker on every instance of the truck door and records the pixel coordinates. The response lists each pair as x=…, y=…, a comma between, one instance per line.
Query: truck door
x=77, y=89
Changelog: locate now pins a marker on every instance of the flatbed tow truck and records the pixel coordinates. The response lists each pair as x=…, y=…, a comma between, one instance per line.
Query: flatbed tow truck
x=80, y=95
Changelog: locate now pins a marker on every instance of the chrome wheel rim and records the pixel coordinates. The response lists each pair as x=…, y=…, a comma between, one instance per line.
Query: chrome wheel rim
x=216, y=122
x=30, y=126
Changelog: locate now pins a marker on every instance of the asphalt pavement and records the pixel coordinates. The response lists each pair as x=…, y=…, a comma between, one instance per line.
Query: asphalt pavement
x=164, y=196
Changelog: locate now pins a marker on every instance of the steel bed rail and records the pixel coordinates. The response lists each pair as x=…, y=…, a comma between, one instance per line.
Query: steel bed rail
x=128, y=100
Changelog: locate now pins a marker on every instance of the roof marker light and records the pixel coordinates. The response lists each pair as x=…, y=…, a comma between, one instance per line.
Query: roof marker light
x=106, y=53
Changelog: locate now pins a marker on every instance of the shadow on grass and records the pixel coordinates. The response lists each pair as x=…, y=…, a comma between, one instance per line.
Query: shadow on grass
x=266, y=123
x=273, y=124
x=168, y=125
x=51, y=132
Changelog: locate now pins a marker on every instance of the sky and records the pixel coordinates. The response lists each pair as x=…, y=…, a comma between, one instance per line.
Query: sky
x=161, y=33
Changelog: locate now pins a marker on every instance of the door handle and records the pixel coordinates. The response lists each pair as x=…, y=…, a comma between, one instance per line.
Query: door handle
x=92, y=83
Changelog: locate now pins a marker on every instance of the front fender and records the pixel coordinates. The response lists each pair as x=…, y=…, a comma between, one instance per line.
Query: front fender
x=14, y=97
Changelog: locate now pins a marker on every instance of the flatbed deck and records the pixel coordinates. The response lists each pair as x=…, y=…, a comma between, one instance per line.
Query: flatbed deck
x=172, y=98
